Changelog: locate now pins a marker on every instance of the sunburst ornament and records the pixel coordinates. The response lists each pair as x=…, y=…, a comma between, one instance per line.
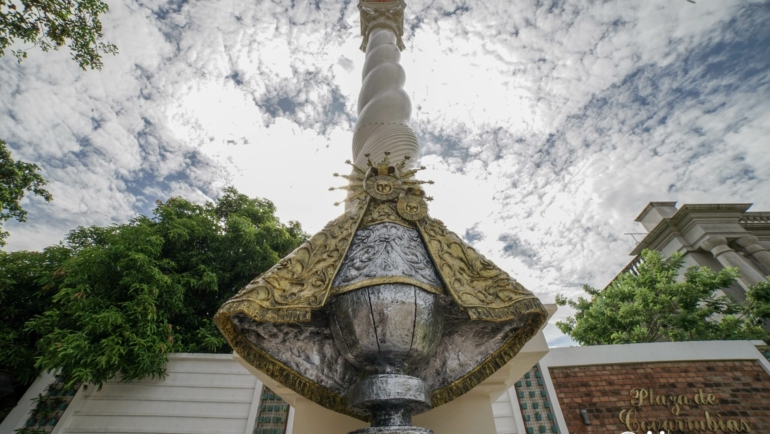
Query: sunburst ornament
x=382, y=181
x=412, y=204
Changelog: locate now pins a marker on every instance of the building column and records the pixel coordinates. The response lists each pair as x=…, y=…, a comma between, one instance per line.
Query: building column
x=730, y=258
x=750, y=244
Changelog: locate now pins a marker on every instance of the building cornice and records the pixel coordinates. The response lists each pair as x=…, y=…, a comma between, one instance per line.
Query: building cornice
x=756, y=222
x=684, y=217
x=650, y=207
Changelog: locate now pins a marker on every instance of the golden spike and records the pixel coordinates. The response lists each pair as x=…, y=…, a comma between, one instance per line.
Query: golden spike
x=351, y=186
x=413, y=171
x=350, y=198
x=402, y=164
x=369, y=160
x=429, y=198
x=416, y=182
x=356, y=168
x=351, y=177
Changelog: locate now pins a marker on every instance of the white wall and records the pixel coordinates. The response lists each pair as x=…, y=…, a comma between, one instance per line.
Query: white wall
x=17, y=418
x=202, y=393
x=507, y=413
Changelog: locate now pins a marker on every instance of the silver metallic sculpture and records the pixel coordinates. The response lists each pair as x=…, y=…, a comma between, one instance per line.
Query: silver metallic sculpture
x=385, y=330
x=384, y=313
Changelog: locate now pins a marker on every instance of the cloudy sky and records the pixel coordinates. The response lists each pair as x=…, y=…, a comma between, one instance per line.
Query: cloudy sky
x=547, y=125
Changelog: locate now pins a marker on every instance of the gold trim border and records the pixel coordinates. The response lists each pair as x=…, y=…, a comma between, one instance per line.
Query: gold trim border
x=279, y=372
x=337, y=290
x=364, y=207
x=537, y=316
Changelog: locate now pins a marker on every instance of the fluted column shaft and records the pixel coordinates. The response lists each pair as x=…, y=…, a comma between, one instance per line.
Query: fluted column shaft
x=760, y=255
x=730, y=258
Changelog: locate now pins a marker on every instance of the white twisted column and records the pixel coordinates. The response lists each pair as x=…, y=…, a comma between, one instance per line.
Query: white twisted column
x=384, y=108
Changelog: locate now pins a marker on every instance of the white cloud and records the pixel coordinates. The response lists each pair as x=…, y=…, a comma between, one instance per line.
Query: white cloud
x=547, y=126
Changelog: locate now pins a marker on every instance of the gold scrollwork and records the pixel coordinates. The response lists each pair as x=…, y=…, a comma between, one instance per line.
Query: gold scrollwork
x=383, y=213
x=383, y=280
x=475, y=283
x=301, y=281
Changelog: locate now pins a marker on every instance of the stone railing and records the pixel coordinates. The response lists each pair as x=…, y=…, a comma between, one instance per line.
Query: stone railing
x=632, y=267
x=752, y=218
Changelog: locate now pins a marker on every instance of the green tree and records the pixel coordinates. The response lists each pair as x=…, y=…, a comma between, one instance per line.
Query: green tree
x=48, y=24
x=16, y=178
x=53, y=24
x=128, y=295
x=655, y=305
x=22, y=296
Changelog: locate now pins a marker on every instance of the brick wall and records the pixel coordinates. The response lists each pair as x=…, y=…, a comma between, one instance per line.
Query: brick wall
x=740, y=397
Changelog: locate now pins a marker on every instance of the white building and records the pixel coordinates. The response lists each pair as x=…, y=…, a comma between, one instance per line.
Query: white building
x=570, y=390
x=709, y=235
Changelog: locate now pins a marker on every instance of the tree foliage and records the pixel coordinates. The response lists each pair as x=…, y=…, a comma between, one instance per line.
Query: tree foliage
x=655, y=305
x=16, y=178
x=50, y=24
x=118, y=299
x=23, y=295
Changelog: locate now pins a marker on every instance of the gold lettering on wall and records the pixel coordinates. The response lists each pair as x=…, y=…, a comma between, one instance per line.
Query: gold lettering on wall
x=710, y=422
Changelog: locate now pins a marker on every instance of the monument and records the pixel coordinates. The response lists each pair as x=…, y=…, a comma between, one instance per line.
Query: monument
x=384, y=313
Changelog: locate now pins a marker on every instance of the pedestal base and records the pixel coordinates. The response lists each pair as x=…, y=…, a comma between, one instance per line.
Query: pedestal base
x=393, y=430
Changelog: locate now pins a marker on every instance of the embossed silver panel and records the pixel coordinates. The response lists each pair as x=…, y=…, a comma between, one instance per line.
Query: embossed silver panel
x=387, y=250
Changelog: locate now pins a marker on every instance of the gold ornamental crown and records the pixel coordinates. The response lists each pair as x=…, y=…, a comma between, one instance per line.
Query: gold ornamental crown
x=382, y=180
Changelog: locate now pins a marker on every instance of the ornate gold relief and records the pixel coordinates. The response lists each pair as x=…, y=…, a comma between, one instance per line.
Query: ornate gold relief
x=383, y=213
x=300, y=281
x=479, y=286
x=382, y=187
x=381, y=181
x=411, y=205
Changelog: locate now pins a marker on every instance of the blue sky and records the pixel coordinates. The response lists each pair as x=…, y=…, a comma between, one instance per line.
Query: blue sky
x=547, y=126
